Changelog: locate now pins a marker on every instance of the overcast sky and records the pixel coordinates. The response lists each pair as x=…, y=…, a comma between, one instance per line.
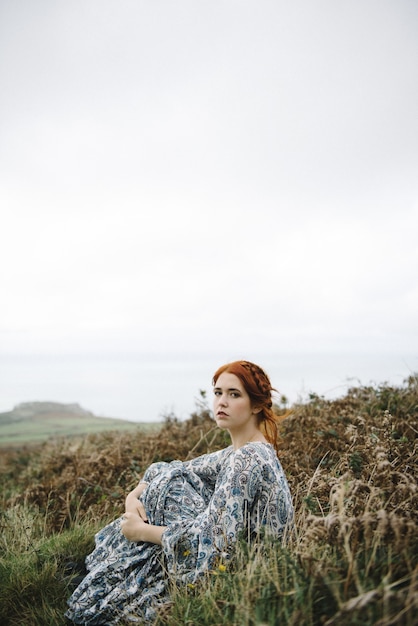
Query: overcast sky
x=209, y=175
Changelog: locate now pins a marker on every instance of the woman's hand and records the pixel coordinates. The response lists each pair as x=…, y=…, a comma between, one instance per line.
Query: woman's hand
x=135, y=529
x=132, y=526
x=133, y=505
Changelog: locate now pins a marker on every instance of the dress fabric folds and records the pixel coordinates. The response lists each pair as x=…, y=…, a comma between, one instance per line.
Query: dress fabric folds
x=207, y=504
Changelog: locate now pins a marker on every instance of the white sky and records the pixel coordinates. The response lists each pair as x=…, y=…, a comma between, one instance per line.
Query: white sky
x=209, y=175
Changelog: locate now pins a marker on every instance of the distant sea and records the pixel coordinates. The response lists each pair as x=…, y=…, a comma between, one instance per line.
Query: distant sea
x=146, y=388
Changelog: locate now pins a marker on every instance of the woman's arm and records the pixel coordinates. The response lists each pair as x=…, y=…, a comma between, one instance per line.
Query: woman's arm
x=135, y=529
x=133, y=504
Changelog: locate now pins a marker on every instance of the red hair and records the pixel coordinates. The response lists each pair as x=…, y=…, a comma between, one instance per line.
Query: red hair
x=258, y=386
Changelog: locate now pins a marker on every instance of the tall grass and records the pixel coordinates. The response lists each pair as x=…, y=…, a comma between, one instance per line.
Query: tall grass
x=33, y=586
x=351, y=557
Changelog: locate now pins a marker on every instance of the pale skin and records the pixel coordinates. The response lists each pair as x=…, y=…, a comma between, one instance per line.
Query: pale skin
x=233, y=412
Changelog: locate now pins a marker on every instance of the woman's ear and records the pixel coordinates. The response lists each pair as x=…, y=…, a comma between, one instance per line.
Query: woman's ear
x=257, y=409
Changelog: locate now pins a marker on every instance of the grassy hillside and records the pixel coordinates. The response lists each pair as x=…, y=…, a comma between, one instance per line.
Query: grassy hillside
x=34, y=422
x=351, y=560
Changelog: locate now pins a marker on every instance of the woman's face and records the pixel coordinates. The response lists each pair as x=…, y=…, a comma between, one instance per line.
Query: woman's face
x=232, y=404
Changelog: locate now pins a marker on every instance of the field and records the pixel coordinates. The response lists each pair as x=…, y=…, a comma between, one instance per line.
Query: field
x=35, y=422
x=351, y=559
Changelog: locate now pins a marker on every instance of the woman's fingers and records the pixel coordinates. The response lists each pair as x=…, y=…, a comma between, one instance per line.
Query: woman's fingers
x=141, y=511
x=131, y=526
x=141, y=487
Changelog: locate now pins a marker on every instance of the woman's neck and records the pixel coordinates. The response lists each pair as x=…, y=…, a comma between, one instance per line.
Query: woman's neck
x=239, y=439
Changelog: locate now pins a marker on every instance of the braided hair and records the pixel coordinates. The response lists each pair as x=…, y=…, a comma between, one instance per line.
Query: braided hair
x=258, y=386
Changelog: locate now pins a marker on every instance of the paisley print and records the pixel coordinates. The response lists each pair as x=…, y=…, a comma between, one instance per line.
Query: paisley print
x=207, y=504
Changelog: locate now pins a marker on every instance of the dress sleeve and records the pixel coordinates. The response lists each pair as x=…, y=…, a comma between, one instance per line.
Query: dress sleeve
x=196, y=546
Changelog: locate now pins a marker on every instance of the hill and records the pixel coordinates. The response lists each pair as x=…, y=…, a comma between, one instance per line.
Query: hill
x=34, y=422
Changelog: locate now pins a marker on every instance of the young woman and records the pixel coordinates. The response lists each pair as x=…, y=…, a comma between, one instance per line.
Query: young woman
x=184, y=518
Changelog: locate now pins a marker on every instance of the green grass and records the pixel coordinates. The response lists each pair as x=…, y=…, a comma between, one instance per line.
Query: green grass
x=33, y=585
x=30, y=431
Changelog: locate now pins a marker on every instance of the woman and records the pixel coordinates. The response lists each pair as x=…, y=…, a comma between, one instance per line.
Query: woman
x=184, y=518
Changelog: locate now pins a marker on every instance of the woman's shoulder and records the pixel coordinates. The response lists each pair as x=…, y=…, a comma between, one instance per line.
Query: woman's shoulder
x=258, y=455
x=257, y=448
x=254, y=453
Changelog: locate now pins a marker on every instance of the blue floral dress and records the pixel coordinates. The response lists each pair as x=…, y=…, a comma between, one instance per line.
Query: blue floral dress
x=207, y=504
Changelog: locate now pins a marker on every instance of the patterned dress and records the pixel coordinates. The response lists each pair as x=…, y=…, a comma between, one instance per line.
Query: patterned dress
x=207, y=504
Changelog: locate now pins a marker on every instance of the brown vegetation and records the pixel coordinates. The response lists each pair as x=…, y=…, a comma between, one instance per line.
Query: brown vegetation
x=352, y=467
